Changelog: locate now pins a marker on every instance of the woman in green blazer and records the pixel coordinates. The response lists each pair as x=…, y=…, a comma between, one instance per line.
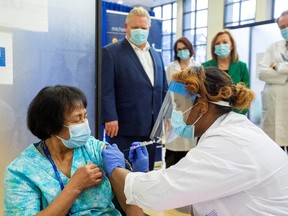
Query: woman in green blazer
x=225, y=57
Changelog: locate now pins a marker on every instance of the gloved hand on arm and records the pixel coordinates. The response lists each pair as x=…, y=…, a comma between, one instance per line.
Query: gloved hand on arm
x=113, y=158
x=139, y=157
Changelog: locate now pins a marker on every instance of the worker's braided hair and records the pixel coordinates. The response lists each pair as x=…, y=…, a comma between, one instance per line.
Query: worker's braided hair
x=213, y=84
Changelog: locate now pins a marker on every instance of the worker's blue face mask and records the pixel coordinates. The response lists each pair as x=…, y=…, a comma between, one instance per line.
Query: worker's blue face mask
x=183, y=54
x=180, y=127
x=79, y=135
x=139, y=36
x=222, y=50
x=284, y=33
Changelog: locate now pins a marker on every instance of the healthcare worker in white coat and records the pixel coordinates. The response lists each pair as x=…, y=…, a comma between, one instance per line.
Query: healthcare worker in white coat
x=235, y=169
x=273, y=69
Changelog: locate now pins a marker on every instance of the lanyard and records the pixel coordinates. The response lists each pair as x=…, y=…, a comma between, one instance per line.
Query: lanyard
x=48, y=155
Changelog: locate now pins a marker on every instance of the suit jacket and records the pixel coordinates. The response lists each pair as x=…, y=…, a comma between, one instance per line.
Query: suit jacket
x=127, y=93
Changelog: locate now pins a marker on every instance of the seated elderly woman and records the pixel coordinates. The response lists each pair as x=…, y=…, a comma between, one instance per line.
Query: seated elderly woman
x=62, y=174
x=235, y=169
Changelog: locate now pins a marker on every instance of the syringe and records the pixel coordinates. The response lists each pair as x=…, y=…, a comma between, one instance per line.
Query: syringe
x=145, y=143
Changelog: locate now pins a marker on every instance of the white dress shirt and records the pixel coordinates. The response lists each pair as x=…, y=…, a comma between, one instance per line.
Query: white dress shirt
x=145, y=59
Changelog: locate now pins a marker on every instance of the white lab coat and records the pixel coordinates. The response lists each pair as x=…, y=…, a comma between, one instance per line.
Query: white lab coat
x=275, y=94
x=175, y=67
x=235, y=169
x=180, y=144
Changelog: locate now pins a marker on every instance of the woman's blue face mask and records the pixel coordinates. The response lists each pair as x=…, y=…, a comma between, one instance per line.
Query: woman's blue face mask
x=79, y=135
x=180, y=127
x=183, y=54
x=222, y=50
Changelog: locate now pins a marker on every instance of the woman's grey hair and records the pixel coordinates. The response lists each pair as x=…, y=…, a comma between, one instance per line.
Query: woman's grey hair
x=282, y=14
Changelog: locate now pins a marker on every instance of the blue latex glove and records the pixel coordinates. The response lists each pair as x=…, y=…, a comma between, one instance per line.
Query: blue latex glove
x=113, y=158
x=139, y=157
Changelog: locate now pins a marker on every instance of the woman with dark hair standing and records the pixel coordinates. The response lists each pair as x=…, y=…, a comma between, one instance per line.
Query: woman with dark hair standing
x=183, y=57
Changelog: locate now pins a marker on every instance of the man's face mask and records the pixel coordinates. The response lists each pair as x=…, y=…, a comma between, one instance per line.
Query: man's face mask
x=79, y=135
x=139, y=36
x=284, y=33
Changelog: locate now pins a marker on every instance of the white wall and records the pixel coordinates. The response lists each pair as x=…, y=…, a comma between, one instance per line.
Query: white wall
x=215, y=22
x=64, y=54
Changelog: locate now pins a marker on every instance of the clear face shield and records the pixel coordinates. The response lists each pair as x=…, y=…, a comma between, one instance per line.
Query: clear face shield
x=175, y=110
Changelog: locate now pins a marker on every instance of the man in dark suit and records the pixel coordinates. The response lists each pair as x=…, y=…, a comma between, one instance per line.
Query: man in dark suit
x=133, y=85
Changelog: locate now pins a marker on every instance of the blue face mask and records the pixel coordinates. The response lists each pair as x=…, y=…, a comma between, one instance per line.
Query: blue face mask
x=183, y=54
x=139, y=36
x=222, y=50
x=284, y=33
x=79, y=135
x=180, y=127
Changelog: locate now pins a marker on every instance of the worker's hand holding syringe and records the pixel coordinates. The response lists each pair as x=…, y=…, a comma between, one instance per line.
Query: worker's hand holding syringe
x=139, y=157
x=114, y=158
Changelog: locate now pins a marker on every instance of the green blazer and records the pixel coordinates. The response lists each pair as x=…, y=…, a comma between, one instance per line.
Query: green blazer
x=238, y=72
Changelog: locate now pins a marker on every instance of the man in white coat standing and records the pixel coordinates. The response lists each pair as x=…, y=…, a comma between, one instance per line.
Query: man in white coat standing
x=273, y=69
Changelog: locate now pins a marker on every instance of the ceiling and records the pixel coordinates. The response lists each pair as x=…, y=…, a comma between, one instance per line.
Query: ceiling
x=145, y=3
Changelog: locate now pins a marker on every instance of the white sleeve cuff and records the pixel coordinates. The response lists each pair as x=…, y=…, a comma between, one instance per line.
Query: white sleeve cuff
x=128, y=188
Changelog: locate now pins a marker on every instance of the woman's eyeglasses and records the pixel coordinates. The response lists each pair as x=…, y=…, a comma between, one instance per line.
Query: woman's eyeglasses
x=179, y=49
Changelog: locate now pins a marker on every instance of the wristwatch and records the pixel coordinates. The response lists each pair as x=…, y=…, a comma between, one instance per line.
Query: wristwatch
x=274, y=66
